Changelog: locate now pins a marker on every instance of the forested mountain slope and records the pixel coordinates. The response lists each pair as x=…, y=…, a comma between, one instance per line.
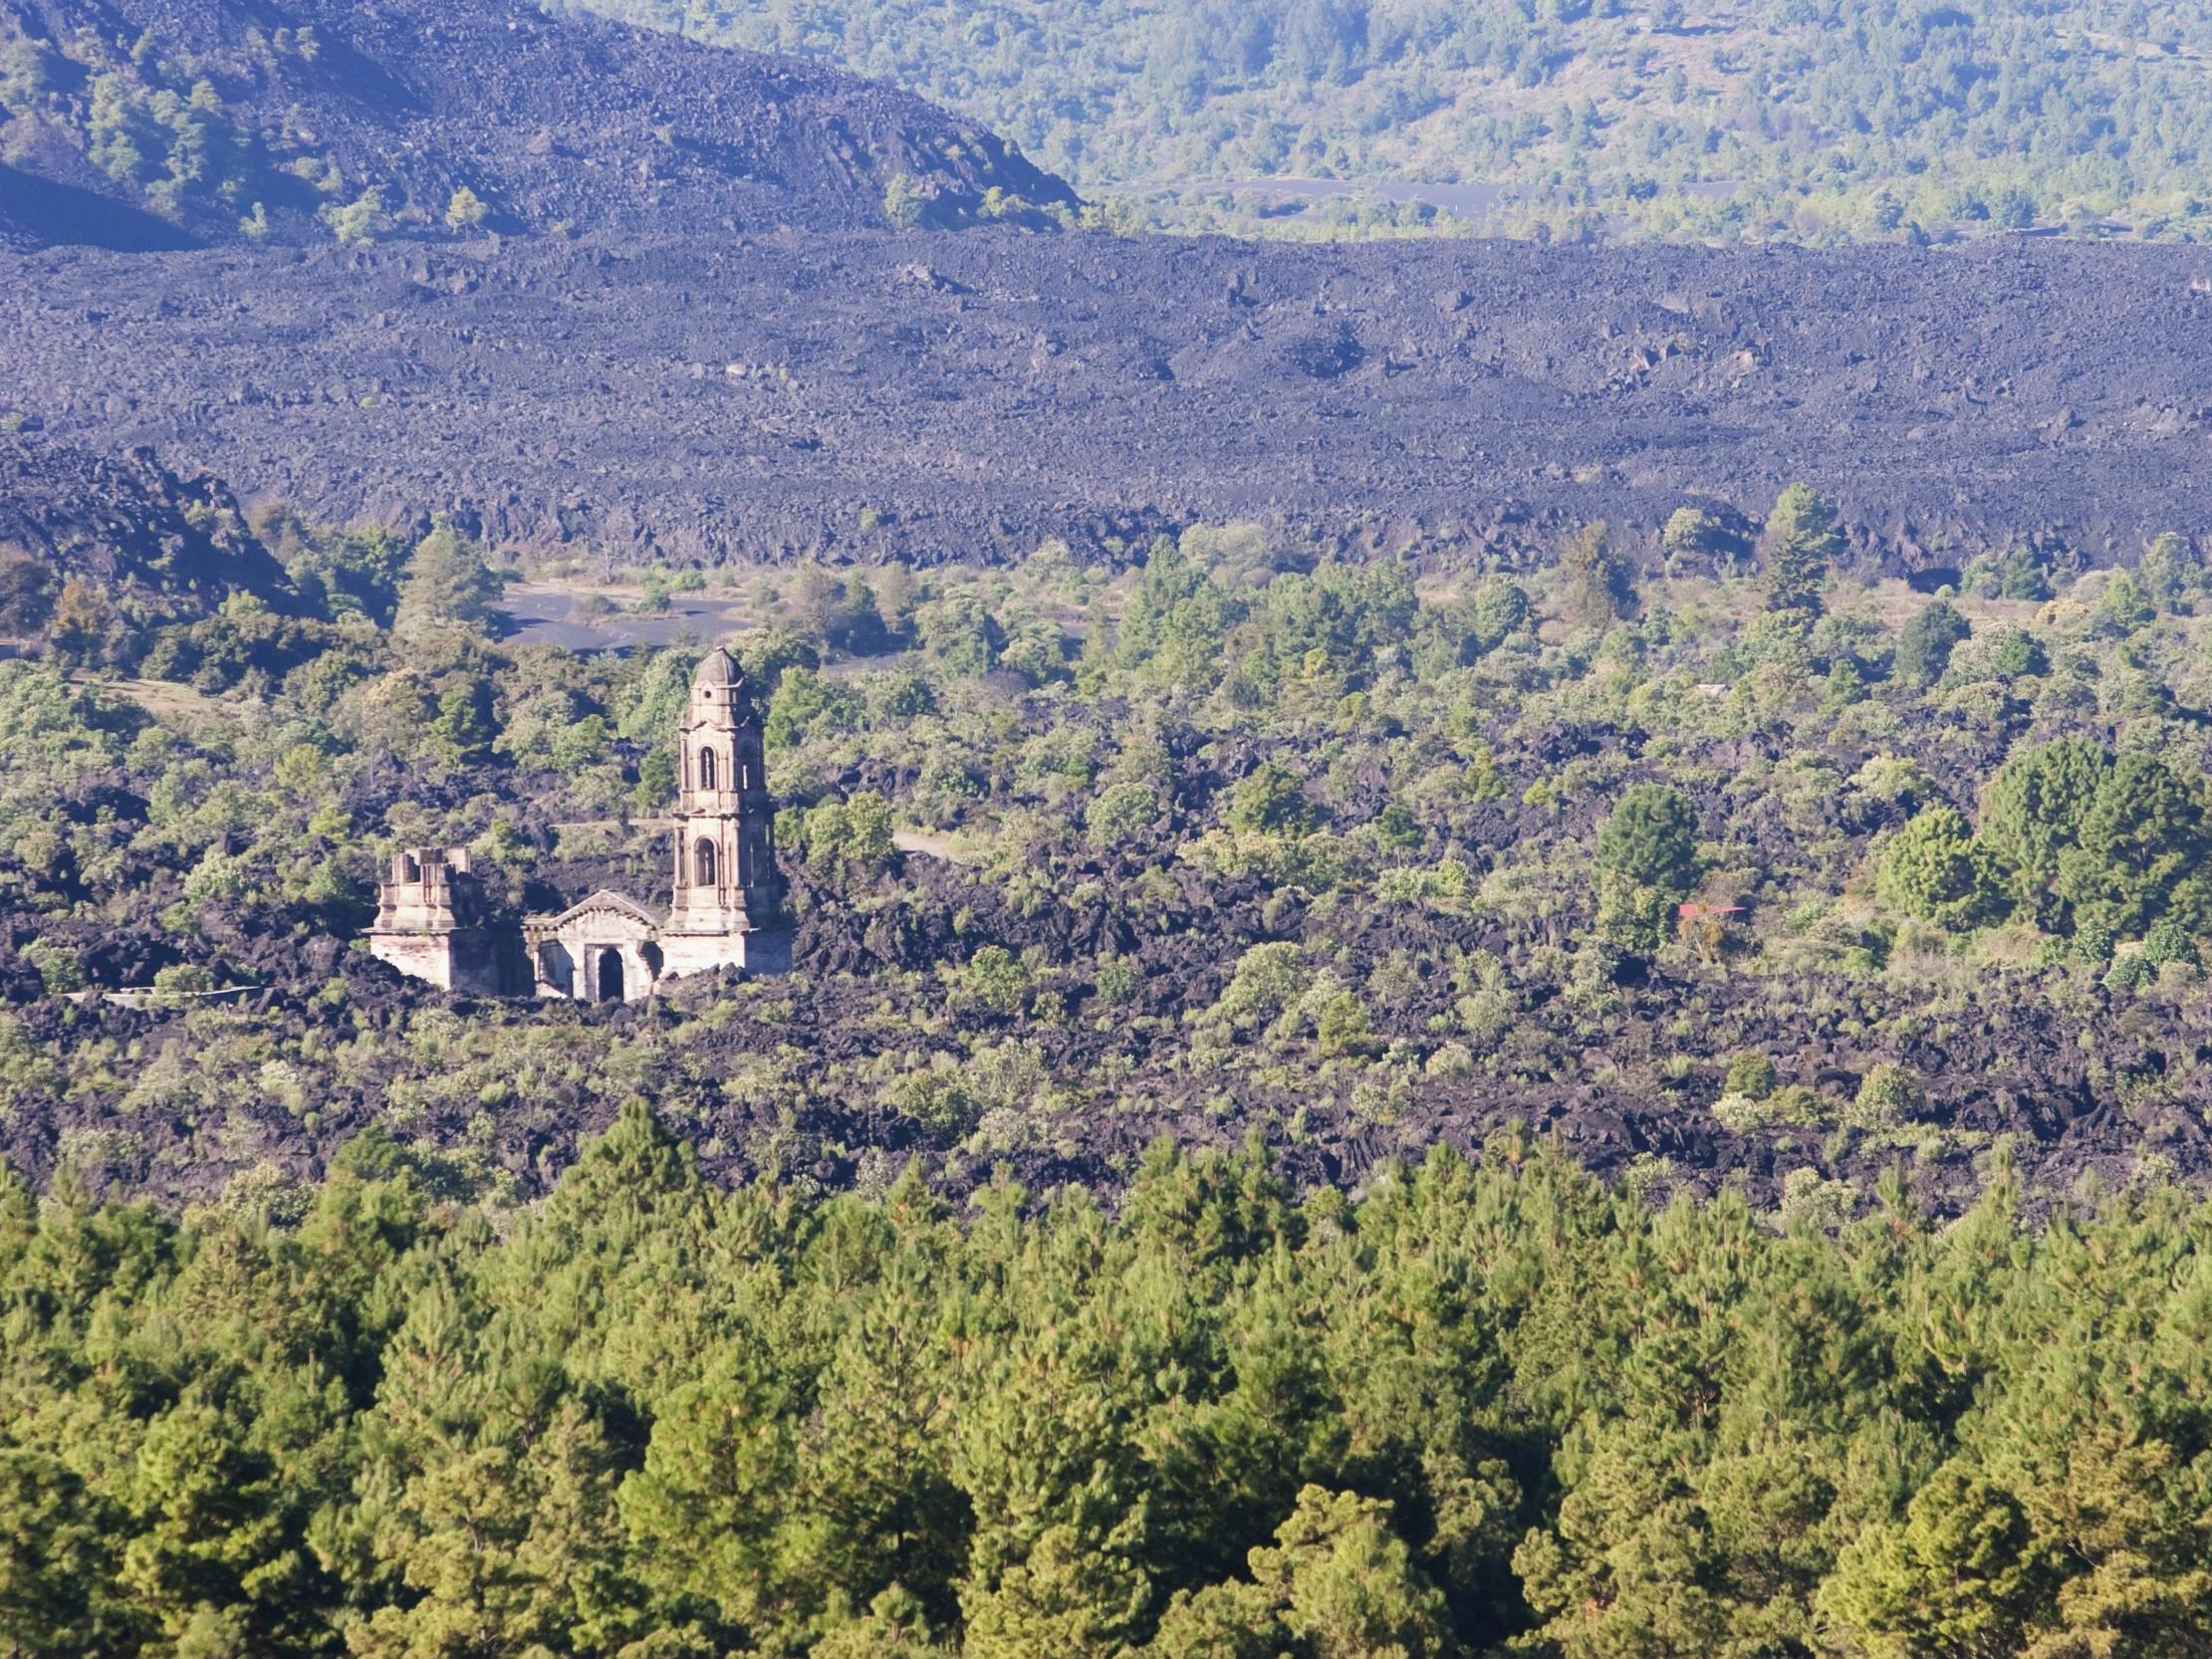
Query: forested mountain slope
x=1811, y=120
x=312, y=119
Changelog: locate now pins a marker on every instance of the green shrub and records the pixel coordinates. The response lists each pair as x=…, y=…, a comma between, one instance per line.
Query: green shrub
x=1888, y=1097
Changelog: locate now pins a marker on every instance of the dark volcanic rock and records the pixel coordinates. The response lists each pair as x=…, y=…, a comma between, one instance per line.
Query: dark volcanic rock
x=793, y=394
x=161, y=546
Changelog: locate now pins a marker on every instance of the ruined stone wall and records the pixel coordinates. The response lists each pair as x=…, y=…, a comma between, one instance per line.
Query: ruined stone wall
x=699, y=953
x=424, y=954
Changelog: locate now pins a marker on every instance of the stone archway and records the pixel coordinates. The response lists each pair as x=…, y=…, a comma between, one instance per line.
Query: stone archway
x=609, y=974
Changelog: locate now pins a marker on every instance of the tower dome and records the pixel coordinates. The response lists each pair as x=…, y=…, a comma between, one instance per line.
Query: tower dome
x=717, y=669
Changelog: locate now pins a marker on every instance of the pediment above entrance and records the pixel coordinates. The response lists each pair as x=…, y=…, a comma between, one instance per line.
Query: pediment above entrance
x=604, y=914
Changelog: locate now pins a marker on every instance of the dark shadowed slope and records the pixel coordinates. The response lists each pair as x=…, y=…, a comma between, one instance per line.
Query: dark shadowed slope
x=154, y=545
x=201, y=108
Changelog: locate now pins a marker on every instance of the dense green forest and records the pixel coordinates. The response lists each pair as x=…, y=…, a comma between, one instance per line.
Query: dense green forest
x=1777, y=118
x=1483, y=1410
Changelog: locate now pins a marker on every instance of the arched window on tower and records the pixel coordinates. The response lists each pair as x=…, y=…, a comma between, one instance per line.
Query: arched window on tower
x=702, y=863
x=706, y=769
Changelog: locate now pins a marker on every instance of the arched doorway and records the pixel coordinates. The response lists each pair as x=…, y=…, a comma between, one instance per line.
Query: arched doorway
x=610, y=975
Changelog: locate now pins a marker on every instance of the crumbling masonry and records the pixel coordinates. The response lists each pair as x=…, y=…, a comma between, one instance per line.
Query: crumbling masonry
x=431, y=918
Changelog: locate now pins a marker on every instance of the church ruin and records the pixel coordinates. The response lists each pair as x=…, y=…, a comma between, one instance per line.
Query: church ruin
x=432, y=922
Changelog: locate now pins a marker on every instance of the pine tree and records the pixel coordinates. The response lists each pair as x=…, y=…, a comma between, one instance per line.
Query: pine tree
x=1925, y=644
x=1594, y=584
x=1932, y=869
x=1645, y=864
x=1800, y=542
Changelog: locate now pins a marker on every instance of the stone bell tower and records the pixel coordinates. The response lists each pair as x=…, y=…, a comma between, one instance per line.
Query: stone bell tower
x=725, y=863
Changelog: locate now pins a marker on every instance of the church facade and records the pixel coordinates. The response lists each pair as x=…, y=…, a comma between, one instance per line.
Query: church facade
x=724, y=901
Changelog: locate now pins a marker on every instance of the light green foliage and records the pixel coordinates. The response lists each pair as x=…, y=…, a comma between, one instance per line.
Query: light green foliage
x=182, y=980
x=1595, y=582
x=959, y=633
x=2018, y=574
x=649, y=1417
x=767, y=654
x=658, y=698
x=992, y=979
x=352, y=573
x=2124, y=607
x=1342, y=1026
x=1888, y=1096
x=2173, y=573
x=840, y=611
x=1645, y=864
x=359, y=220
x=1120, y=813
x=463, y=729
x=1797, y=125
x=2084, y=843
x=448, y=587
x=852, y=835
x=1954, y=1577
x=1269, y=980
x=2141, y=852
x=1500, y=610
x=1177, y=624
x=904, y=203
x=466, y=210
x=1689, y=537
x=1750, y=1075
x=2010, y=653
x=1798, y=545
x=23, y=72
x=60, y=969
x=1339, y=1584
x=2031, y=817
x=1272, y=801
x=1933, y=870
x=806, y=704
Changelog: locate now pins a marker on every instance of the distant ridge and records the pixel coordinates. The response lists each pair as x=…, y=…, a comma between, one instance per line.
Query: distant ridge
x=190, y=113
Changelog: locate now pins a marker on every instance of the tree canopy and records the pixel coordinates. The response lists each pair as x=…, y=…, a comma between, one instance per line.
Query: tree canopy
x=1488, y=1407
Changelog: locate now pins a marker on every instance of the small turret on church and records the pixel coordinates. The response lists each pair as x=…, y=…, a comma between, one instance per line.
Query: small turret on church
x=431, y=922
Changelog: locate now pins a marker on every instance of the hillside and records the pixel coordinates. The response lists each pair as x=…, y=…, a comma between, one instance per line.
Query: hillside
x=147, y=547
x=1795, y=120
x=312, y=120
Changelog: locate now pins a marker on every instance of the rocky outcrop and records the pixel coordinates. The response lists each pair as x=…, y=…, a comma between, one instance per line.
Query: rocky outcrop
x=159, y=546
